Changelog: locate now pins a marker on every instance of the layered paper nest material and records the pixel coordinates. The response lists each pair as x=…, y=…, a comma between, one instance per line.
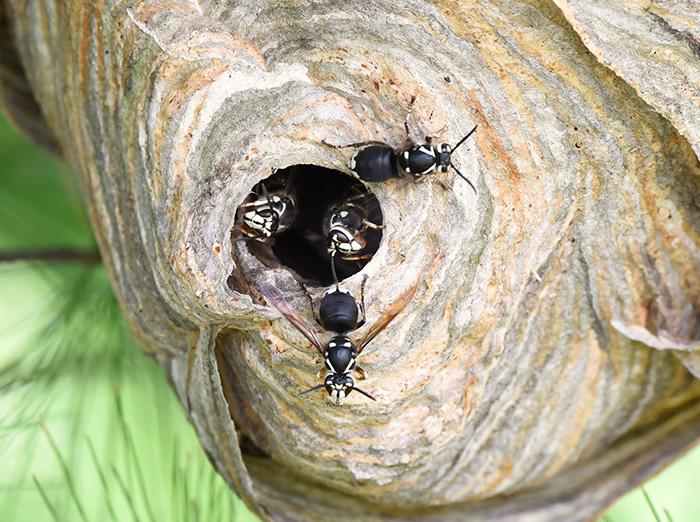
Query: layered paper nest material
x=545, y=365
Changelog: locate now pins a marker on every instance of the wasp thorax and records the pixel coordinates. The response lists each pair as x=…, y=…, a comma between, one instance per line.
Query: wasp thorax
x=340, y=354
x=419, y=160
x=302, y=216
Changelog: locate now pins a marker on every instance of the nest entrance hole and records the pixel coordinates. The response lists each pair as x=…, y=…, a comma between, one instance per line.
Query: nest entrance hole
x=303, y=247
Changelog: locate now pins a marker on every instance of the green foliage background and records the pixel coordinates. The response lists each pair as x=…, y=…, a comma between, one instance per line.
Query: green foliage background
x=89, y=428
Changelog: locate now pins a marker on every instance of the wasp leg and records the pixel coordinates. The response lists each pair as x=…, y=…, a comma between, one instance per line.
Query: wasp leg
x=361, y=372
x=356, y=258
x=373, y=225
x=362, y=301
x=352, y=145
x=311, y=304
x=245, y=236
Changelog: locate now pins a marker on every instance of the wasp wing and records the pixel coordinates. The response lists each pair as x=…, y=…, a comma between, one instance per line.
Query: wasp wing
x=387, y=316
x=275, y=297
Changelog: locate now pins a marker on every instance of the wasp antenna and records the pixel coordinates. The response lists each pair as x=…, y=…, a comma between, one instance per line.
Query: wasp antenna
x=363, y=393
x=311, y=390
x=267, y=196
x=465, y=138
x=290, y=181
x=465, y=179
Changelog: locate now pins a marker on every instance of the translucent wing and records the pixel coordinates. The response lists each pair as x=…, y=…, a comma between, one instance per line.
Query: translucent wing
x=387, y=317
x=275, y=297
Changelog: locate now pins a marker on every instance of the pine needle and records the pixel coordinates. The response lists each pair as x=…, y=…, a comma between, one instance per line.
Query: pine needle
x=186, y=492
x=213, y=504
x=103, y=480
x=125, y=492
x=131, y=453
x=66, y=472
x=174, y=486
x=651, y=505
x=46, y=500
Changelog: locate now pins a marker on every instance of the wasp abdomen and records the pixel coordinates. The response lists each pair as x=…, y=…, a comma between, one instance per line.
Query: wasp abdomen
x=375, y=163
x=338, y=312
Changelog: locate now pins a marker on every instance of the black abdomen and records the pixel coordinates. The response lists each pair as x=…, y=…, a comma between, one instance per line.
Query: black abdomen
x=375, y=163
x=338, y=312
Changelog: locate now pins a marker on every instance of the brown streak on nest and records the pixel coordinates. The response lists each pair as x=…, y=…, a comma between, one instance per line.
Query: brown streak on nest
x=499, y=156
x=683, y=36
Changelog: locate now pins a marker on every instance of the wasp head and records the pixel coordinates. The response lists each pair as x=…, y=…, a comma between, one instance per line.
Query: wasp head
x=444, y=157
x=338, y=387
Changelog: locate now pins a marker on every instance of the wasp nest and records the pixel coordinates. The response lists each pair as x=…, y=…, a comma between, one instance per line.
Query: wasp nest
x=540, y=368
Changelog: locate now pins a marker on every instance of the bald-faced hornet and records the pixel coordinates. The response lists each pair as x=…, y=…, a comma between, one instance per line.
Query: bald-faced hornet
x=264, y=214
x=340, y=353
x=380, y=162
x=345, y=227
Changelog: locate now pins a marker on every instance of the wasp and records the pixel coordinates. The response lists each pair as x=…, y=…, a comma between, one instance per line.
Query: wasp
x=340, y=315
x=264, y=214
x=380, y=162
x=346, y=226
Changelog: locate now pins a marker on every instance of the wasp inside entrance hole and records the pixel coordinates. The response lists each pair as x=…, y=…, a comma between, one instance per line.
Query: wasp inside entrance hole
x=303, y=215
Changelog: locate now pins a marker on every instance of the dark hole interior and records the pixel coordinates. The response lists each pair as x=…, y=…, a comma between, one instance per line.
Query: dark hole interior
x=302, y=247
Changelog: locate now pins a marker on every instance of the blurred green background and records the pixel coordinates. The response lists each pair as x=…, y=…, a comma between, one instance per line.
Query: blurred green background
x=90, y=429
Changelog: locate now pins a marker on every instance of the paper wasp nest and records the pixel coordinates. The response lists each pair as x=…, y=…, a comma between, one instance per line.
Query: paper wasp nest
x=545, y=364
